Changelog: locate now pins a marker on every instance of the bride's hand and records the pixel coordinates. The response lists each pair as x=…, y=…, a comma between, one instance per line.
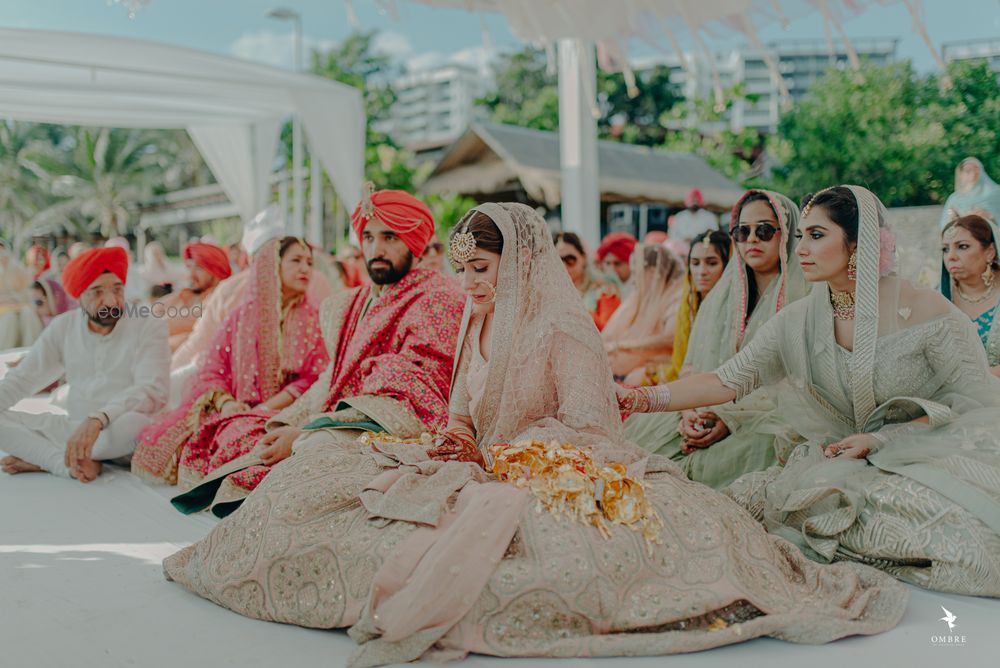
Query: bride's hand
x=627, y=400
x=456, y=447
x=857, y=446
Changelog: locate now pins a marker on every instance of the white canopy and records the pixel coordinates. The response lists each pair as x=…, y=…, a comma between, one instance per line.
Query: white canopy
x=232, y=109
x=546, y=21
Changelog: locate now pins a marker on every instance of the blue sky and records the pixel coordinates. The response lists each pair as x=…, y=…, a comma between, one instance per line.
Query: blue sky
x=422, y=35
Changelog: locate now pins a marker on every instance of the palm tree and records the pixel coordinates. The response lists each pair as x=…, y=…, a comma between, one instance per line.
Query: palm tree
x=102, y=175
x=22, y=192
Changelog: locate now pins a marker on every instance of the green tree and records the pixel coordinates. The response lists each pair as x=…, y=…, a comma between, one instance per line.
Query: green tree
x=700, y=128
x=527, y=95
x=355, y=62
x=896, y=132
x=448, y=210
x=100, y=175
x=21, y=193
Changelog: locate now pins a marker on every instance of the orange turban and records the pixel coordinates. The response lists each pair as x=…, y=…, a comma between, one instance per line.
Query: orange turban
x=209, y=257
x=403, y=213
x=619, y=244
x=88, y=265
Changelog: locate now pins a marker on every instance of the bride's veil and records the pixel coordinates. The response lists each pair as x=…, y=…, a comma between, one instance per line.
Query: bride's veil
x=549, y=377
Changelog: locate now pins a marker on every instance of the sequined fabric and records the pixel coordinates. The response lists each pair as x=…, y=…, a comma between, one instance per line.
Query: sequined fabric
x=926, y=506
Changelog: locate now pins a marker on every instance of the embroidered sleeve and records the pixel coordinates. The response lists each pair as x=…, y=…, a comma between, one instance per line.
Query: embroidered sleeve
x=758, y=364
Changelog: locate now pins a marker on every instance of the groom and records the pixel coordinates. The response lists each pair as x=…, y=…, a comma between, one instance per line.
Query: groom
x=391, y=343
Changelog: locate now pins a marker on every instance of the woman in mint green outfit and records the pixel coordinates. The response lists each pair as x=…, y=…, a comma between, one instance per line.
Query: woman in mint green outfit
x=718, y=445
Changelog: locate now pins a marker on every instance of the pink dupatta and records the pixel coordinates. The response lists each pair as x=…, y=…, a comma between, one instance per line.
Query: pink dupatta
x=259, y=351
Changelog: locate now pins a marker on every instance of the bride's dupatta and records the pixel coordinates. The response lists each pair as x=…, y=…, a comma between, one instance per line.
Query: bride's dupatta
x=549, y=378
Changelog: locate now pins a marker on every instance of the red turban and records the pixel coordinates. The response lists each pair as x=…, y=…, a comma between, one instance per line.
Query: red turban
x=694, y=197
x=88, y=265
x=619, y=244
x=401, y=212
x=209, y=257
x=34, y=253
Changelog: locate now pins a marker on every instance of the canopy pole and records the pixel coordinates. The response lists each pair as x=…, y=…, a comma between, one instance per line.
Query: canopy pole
x=298, y=194
x=283, y=200
x=581, y=194
x=315, y=201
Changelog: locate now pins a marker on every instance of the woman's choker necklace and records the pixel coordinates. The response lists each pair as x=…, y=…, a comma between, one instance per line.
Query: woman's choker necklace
x=843, y=304
x=973, y=300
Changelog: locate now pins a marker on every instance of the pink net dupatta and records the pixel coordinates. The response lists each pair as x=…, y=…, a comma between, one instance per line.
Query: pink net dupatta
x=243, y=363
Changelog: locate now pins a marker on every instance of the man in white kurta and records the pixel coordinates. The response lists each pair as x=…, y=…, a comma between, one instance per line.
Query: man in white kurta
x=693, y=220
x=117, y=366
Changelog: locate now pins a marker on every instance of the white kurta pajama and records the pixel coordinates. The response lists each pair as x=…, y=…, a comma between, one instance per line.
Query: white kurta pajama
x=125, y=374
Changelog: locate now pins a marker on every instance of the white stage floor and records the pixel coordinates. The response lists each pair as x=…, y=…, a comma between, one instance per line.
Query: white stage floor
x=81, y=585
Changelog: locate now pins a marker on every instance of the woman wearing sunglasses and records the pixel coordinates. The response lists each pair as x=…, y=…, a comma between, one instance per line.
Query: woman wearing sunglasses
x=600, y=295
x=757, y=283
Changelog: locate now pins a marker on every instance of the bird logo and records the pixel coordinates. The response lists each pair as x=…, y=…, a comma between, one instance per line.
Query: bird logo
x=948, y=617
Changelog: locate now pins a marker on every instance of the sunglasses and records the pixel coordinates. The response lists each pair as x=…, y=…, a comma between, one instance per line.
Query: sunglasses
x=569, y=260
x=764, y=232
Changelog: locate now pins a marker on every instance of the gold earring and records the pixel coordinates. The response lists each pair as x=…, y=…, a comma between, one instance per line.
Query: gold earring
x=852, y=267
x=988, y=277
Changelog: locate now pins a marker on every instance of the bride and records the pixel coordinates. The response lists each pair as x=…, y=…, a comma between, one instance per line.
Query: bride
x=889, y=386
x=423, y=554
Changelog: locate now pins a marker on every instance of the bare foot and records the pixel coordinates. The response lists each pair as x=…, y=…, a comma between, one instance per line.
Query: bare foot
x=13, y=465
x=86, y=470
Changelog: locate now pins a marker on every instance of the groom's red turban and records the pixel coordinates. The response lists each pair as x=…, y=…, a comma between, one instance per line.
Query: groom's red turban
x=209, y=257
x=87, y=266
x=403, y=213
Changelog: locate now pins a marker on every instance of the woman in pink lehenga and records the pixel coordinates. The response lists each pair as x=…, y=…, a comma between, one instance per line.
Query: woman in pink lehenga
x=267, y=353
x=641, y=331
x=425, y=555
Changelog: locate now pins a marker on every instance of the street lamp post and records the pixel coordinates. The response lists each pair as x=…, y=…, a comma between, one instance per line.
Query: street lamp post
x=298, y=216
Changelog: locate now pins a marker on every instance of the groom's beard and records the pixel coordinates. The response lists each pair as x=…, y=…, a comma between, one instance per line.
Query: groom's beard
x=105, y=316
x=386, y=273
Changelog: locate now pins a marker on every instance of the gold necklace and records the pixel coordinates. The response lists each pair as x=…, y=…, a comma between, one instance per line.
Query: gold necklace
x=843, y=304
x=973, y=300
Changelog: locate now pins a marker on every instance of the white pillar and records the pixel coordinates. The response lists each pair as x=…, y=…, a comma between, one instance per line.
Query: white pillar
x=283, y=201
x=315, y=202
x=581, y=196
x=298, y=227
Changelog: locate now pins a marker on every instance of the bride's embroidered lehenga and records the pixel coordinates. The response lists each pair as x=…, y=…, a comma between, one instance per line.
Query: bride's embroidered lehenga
x=925, y=506
x=436, y=559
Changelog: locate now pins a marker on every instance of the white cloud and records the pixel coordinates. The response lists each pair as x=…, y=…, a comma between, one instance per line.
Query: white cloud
x=275, y=48
x=477, y=56
x=425, y=61
x=396, y=45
